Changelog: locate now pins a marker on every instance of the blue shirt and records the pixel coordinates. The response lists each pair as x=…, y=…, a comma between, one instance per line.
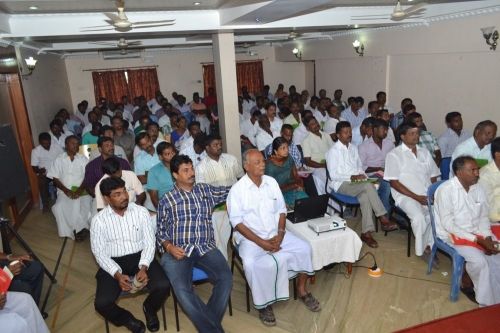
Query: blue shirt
x=144, y=162
x=160, y=179
x=185, y=218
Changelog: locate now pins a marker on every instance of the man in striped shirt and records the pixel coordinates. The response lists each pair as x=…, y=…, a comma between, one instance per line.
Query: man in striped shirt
x=186, y=237
x=122, y=239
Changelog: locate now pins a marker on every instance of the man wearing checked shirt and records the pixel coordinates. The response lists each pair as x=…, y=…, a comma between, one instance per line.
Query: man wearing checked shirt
x=186, y=237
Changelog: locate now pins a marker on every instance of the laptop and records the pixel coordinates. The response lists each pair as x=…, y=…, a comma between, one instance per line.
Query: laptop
x=308, y=208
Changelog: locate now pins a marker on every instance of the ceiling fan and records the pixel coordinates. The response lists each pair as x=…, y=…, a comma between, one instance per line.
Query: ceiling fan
x=292, y=35
x=397, y=14
x=121, y=44
x=120, y=21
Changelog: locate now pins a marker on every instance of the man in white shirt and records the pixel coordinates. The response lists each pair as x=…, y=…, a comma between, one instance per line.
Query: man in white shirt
x=490, y=181
x=274, y=121
x=479, y=145
x=265, y=135
x=122, y=238
x=248, y=129
x=154, y=104
x=314, y=148
x=56, y=133
x=410, y=170
x=218, y=169
x=320, y=113
x=194, y=129
x=73, y=205
x=355, y=114
x=196, y=151
x=347, y=176
x=454, y=134
x=331, y=121
x=301, y=132
x=462, y=221
x=270, y=255
x=42, y=157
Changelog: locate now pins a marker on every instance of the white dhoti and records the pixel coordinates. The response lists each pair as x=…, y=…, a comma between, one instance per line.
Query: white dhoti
x=222, y=230
x=484, y=272
x=420, y=223
x=204, y=123
x=268, y=273
x=72, y=214
x=319, y=177
x=21, y=315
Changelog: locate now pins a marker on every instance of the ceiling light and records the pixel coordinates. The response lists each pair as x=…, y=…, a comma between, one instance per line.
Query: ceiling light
x=196, y=3
x=296, y=52
x=356, y=26
x=358, y=47
x=33, y=7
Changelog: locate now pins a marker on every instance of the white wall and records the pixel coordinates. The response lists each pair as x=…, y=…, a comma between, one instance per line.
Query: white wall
x=443, y=67
x=45, y=91
x=179, y=71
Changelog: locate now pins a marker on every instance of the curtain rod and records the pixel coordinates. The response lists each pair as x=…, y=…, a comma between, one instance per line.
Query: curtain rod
x=238, y=61
x=117, y=68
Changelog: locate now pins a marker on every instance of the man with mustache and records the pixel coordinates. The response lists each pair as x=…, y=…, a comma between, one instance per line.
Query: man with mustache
x=186, y=237
x=461, y=211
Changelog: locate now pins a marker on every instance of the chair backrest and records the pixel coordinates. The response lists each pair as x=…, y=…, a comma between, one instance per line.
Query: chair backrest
x=445, y=168
x=430, y=202
x=327, y=179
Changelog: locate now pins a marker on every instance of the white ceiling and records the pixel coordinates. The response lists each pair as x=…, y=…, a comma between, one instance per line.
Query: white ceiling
x=56, y=25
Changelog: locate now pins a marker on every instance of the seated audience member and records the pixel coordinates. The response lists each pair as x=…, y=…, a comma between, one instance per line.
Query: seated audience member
x=320, y=113
x=125, y=256
x=454, y=134
x=73, y=205
x=355, y=114
x=111, y=167
x=42, y=157
x=479, y=145
x=314, y=148
x=399, y=117
x=180, y=133
x=385, y=116
x=345, y=169
x=108, y=131
x=19, y=314
x=331, y=121
x=186, y=236
x=281, y=167
x=373, y=109
x=490, y=181
x=93, y=170
x=293, y=150
x=294, y=118
x=265, y=135
x=146, y=159
x=196, y=152
x=274, y=121
x=58, y=137
x=337, y=100
x=247, y=102
x=270, y=255
x=313, y=104
x=280, y=92
x=123, y=137
x=199, y=109
x=219, y=169
x=363, y=132
x=248, y=129
x=93, y=118
x=142, y=123
x=300, y=133
x=194, y=129
x=153, y=130
x=462, y=221
x=159, y=177
x=382, y=100
x=28, y=274
x=90, y=138
x=410, y=170
x=82, y=113
x=260, y=102
x=427, y=139
x=372, y=153
x=211, y=98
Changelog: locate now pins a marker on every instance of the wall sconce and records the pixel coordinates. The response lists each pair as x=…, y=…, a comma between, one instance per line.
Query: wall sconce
x=30, y=65
x=358, y=47
x=297, y=53
x=491, y=36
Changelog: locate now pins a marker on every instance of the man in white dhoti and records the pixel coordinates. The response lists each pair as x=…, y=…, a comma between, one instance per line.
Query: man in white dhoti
x=411, y=170
x=270, y=255
x=19, y=314
x=219, y=169
x=72, y=209
x=461, y=212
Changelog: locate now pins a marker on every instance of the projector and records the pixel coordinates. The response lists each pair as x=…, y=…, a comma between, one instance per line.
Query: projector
x=326, y=223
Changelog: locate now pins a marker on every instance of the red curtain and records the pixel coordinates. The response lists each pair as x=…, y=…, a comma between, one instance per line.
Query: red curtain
x=248, y=74
x=110, y=84
x=143, y=82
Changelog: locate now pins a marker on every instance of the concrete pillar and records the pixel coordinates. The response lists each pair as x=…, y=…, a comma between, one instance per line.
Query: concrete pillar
x=227, y=92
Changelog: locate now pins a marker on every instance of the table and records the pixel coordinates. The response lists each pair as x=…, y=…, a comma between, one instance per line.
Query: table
x=328, y=247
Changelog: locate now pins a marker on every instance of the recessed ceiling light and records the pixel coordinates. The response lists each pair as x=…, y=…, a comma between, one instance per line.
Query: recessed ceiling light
x=356, y=26
x=196, y=3
x=33, y=7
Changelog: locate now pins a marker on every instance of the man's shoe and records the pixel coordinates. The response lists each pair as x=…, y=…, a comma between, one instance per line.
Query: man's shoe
x=368, y=239
x=152, y=322
x=266, y=316
x=135, y=326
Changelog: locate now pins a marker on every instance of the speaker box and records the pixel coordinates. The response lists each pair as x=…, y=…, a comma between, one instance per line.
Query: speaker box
x=13, y=176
